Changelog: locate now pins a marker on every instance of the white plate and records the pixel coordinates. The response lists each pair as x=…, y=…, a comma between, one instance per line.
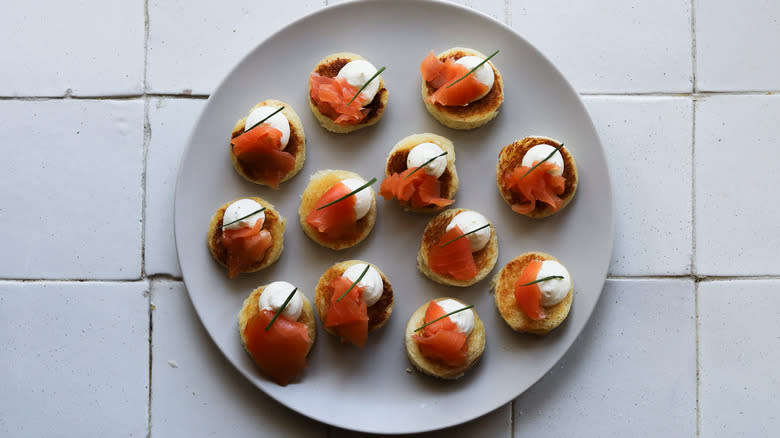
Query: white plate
x=371, y=389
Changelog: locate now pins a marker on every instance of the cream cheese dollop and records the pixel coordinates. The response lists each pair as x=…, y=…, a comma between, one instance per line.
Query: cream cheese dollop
x=484, y=74
x=468, y=221
x=278, y=121
x=554, y=290
x=362, y=198
x=273, y=297
x=372, y=283
x=539, y=153
x=424, y=152
x=356, y=73
x=463, y=319
x=238, y=210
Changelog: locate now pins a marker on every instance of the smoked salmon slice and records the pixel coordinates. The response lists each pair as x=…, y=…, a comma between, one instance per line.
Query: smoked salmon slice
x=335, y=221
x=245, y=247
x=529, y=298
x=419, y=190
x=441, y=74
x=260, y=152
x=442, y=341
x=539, y=185
x=455, y=258
x=332, y=96
x=281, y=351
x=348, y=317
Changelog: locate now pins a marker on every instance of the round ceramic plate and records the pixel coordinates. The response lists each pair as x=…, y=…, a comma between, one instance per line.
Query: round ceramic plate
x=373, y=389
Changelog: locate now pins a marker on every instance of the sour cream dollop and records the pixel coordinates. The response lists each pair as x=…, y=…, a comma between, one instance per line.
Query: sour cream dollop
x=273, y=297
x=356, y=73
x=278, y=121
x=362, y=198
x=483, y=74
x=464, y=319
x=424, y=152
x=372, y=283
x=554, y=290
x=539, y=153
x=238, y=210
x=468, y=221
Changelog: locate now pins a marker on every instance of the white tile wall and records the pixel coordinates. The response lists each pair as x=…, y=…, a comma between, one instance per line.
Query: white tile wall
x=75, y=359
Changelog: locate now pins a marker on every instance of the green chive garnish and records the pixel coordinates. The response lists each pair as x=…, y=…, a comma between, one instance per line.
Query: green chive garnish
x=442, y=317
x=284, y=304
x=425, y=164
x=559, y=277
x=365, y=85
x=242, y=218
x=473, y=69
x=266, y=118
x=545, y=159
x=373, y=180
x=353, y=284
x=465, y=234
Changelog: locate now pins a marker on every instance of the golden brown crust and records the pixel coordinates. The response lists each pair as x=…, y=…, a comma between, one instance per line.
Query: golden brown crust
x=503, y=286
x=295, y=146
x=320, y=183
x=485, y=259
x=511, y=156
x=251, y=308
x=475, y=340
x=329, y=67
x=476, y=113
x=378, y=314
x=274, y=223
x=396, y=163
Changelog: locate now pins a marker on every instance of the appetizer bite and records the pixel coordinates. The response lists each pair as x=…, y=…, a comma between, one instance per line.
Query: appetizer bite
x=459, y=247
x=420, y=173
x=537, y=176
x=444, y=338
x=246, y=235
x=461, y=88
x=338, y=208
x=268, y=146
x=277, y=329
x=346, y=92
x=353, y=298
x=533, y=293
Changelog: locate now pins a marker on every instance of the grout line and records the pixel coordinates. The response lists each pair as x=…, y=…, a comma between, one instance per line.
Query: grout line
x=512, y=418
x=149, y=402
x=693, y=187
x=684, y=94
x=694, y=64
x=146, y=142
x=698, y=361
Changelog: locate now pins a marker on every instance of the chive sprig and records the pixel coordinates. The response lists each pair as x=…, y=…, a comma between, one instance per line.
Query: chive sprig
x=355, y=283
x=373, y=180
x=281, y=309
x=473, y=69
x=443, y=316
x=363, y=87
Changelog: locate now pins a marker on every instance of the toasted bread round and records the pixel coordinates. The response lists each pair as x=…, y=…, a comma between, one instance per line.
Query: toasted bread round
x=251, y=308
x=274, y=223
x=503, y=286
x=475, y=342
x=320, y=183
x=485, y=258
x=378, y=314
x=295, y=146
x=511, y=156
x=476, y=113
x=396, y=163
x=329, y=67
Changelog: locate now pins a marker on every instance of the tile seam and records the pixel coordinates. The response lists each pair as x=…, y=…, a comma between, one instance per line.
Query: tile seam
x=698, y=360
x=694, y=64
x=146, y=143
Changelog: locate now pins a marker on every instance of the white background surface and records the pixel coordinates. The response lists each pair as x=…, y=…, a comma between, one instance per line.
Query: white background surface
x=97, y=335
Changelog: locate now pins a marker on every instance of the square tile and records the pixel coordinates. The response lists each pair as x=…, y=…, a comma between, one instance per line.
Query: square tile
x=91, y=48
x=737, y=45
x=190, y=52
x=647, y=141
x=171, y=121
x=612, y=46
x=631, y=372
x=195, y=390
x=75, y=359
x=737, y=224
x=71, y=189
x=739, y=349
